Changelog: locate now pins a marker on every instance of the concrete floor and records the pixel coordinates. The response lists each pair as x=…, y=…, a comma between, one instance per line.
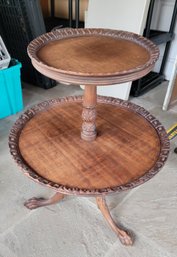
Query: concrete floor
x=75, y=227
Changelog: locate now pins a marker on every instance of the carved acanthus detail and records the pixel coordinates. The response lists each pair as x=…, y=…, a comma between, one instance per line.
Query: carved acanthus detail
x=88, y=126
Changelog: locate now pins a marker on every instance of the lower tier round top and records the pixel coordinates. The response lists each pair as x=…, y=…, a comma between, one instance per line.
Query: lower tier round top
x=130, y=148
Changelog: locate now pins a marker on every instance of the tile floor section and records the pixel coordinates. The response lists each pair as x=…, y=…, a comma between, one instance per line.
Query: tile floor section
x=75, y=227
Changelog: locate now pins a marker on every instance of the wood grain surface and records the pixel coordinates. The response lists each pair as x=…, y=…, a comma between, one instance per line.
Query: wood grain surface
x=127, y=147
x=131, y=146
x=93, y=56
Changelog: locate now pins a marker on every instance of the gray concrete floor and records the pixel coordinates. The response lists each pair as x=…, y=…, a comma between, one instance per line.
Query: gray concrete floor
x=75, y=227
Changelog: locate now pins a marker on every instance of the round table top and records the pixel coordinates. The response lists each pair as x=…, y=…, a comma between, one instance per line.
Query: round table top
x=97, y=56
x=130, y=148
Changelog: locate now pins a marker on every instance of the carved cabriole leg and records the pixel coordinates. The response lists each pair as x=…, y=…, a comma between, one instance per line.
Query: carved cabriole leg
x=123, y=236
x=89, y=114
x=35, y=202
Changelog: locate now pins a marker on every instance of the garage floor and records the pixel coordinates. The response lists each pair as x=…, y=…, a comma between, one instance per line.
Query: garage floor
x=75, y=227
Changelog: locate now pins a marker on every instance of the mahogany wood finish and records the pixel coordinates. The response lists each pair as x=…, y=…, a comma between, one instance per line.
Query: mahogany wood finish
x=100, y=56
x=93, y=56
x=129, y=145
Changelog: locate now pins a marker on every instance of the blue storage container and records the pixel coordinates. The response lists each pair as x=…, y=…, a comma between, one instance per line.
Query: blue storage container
x=11, y=100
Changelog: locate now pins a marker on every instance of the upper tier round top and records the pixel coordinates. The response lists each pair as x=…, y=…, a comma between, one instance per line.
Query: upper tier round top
x=92, y=56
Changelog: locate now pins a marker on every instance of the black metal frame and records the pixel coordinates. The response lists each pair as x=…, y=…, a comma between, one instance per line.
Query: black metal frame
x=153, y=79
x=70, y=22
x=21, y=21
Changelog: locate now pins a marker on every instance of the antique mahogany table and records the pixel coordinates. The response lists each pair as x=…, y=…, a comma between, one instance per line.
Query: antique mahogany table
x=90, y=145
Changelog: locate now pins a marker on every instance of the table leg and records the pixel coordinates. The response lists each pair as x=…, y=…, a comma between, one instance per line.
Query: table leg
x=123, y=235
x=35, y=202
x=89, y=113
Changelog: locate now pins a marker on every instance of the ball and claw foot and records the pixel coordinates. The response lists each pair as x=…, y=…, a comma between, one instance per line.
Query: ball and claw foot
x=123, y=236
x=35, y=202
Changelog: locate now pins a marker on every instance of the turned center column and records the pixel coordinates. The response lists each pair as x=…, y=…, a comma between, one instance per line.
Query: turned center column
x=88, y=132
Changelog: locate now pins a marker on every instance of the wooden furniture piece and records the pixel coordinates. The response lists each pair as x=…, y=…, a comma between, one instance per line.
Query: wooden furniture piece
x=116, y=146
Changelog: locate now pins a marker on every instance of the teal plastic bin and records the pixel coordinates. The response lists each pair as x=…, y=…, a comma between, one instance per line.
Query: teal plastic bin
x=11, y=100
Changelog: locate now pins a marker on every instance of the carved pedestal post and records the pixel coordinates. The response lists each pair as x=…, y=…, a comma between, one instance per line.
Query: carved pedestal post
x=88, y=132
